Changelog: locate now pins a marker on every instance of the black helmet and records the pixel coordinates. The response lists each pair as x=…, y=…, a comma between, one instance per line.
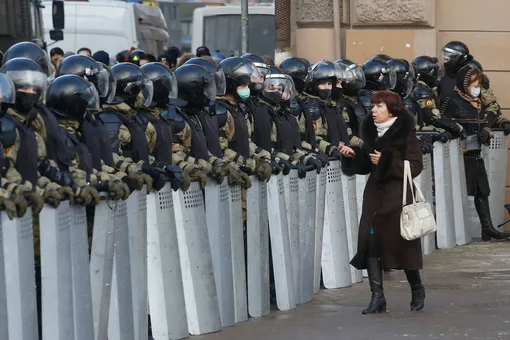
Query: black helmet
x=31, y=51
x=278, y=87
x=163, y=81
x=384, y=57
x=7, y=92
x=427, y=69
x=70, y=96
x=322, y=71
x=196, y=86
x=258, y=62
x=297, y=68
x=89, y=69
x=121, y=56
x=1, y=57
x=239, y=71
x=135, y=56
x=379, y=75
x=29, y=80
x=219, y=76
x=405, y=76
x=455, y=54
x=353, y=75
x=131, y=81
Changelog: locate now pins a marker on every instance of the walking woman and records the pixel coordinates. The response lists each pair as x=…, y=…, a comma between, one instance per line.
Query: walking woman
x=388, y=139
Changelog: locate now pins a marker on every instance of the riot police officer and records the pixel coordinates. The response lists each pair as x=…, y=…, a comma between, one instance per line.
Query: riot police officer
x=455, y=55
x=379, y=75
x=348, y=102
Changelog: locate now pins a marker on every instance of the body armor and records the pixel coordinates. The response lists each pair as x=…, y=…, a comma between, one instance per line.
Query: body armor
x=258, y=115
x=96, y=138
x=163, y=149
x=240, y=141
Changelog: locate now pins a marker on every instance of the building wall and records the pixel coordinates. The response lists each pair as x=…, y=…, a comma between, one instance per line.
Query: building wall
x=407, y=29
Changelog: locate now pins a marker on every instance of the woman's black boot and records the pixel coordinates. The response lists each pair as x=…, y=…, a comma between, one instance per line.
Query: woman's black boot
x=378, y=301
x=417, y=290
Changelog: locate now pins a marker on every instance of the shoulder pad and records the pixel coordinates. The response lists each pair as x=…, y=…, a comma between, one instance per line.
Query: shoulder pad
x=366, y=101
x=171, y=113
x=8, y=135
x=295, y=108
x=313, y=108
x=422, y=92
x=109, y=117
x=221, y=108
x=410, y=105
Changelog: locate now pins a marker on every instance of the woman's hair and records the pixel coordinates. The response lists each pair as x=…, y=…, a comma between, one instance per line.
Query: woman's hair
x=474, y=75
x=184, y=58
x=392, y=100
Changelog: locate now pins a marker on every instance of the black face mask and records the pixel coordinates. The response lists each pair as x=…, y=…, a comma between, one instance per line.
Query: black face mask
x=256, y=88
x=350, y=92
x=336, y=93
x=273, y=98
x=25, y=101
x=324, y=94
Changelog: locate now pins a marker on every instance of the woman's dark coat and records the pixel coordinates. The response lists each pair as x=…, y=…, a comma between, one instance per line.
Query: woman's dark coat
x=382, y=199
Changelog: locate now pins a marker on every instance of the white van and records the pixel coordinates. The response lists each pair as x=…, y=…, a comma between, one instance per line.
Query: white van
x=109, y=25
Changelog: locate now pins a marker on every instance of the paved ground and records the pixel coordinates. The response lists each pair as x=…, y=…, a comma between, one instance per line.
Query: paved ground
x=468, y=293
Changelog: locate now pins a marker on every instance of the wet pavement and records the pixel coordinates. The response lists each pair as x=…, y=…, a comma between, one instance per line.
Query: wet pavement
x=468, y=294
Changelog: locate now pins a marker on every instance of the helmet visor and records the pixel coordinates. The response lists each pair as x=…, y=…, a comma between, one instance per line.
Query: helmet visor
x=388, y=78
x=263, y=68
x=7, y=90
x=99, y=77
x=91, y=96
x=29, y=81
x=249, y=74
x=221, y=83
x=210, y=89
x=279, y=83
x=112, y=86
x=147, y=91
x=354, y=77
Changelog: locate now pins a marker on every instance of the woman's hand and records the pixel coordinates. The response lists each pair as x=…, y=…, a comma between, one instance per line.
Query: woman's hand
x=374, y=157
x=346, y=151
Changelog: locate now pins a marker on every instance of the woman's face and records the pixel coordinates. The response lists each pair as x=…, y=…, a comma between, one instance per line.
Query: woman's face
x=380, y=113
x=474, y=85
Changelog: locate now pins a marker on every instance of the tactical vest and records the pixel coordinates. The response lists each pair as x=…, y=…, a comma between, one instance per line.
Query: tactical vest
x=412, y=106
x=96, y=138
x=288, y=138
x=337, y=129
x=259, y=116
x=198, y=141
x=163, y=149
x=240, y=141
x=76, y=147
x=27, y=158
x=137, y=149
x=365, y=99
x=356, y=113
x=309, y=134
x=55, y=148
x=211, y=130
x=445, y=88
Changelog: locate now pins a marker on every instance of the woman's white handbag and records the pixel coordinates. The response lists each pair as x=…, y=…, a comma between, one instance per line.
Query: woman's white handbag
x=416, y=219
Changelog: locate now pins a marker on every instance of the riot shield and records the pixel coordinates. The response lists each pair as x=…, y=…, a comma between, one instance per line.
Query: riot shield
x=444, y=199
x=280, y=247
x=120, y=325
x=291, y=185
x=4, y=327
x=196, y=263
x=238, y=258
x=307, y=213
x=424, y=181
x=336, y=270
x=257, y=239
x=319, y=228
x=165, y=290
x=351, y=220
x=495, y=158
x=18, y=254
x=137, y=228
x=459, y=193
x=82, y=296
x=101, y=266
x=56, y=276
x=217, y=210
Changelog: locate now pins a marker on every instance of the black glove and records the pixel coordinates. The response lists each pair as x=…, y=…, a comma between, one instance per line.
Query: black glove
x=485, y=136
x=446, y=136
x=335, y=153
x=301, y=168
x=159, y=178
x=175, y=176
x=315, y=164
x=286, y=166
x=426, y=147
x=276, y=167
x=506, y=129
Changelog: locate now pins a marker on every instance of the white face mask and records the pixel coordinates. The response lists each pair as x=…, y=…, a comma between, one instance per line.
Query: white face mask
x=475, y=92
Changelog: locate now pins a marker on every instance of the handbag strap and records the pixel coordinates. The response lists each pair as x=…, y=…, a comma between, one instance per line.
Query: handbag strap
x=408, y=178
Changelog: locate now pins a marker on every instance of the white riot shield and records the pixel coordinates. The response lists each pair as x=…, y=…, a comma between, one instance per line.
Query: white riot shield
x=361, y=182
x=238, y=254
x=257, y=239
x=165, y=290
x=459, y=193
x=101, y=266
x=336, y=270
x=351, y=220
x=473, y=219
x=424, y=181
x=56, y=276
x=444, y=199
x=82, y=296
x=18, y=254
x=217, y=210
x=4, y=327
x=120, y=325
x=280, y=247
x=319, y=228
x=307, y=213
x=495, y=158
x=196, y=263
x=137, y=227
x=291, y=185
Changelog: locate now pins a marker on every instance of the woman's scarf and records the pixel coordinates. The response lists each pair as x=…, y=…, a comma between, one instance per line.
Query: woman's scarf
x=475, y=102
x=383, y=127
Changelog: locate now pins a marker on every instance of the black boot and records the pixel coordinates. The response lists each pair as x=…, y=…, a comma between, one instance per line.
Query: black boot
x=417, y=290
x=378, y=301
x=484, y=213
